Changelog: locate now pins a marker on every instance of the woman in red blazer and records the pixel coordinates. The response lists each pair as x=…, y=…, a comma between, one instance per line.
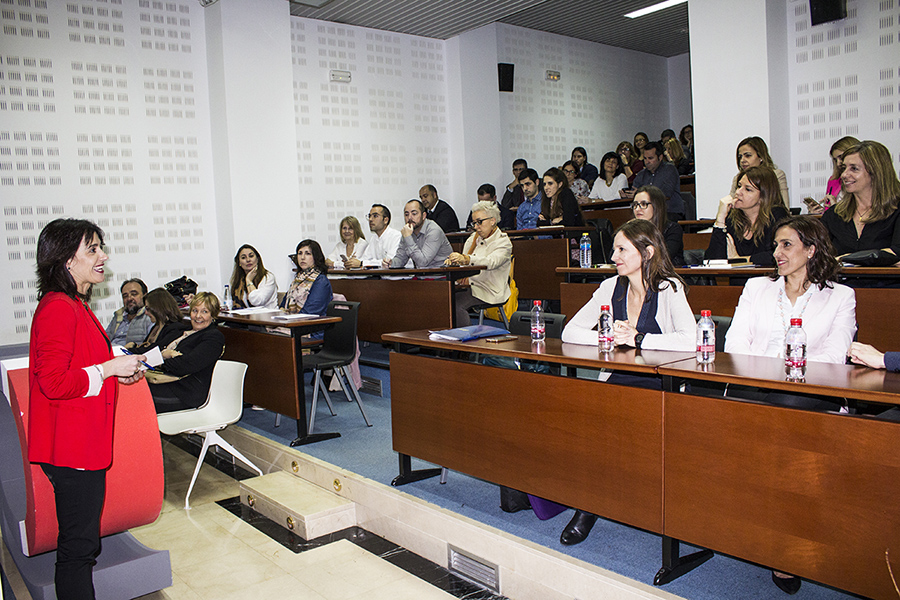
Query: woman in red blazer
x=70, y=424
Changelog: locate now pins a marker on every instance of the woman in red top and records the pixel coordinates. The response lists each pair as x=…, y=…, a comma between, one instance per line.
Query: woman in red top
x=71, y=408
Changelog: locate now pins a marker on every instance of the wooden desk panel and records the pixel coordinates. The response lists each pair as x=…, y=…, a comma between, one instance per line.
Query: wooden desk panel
x=397, y=305
x=810, y=493
x=538, y=433
x=696, y=241
x=536, y=263
x=271, y=379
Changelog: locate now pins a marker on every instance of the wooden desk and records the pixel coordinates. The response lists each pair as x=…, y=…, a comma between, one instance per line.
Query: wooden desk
x=693, y=226
x=274, y=365
x=399, y=304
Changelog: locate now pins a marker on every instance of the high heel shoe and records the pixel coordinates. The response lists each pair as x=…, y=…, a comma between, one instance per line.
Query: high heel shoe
x=578, y=528
x=788, y=585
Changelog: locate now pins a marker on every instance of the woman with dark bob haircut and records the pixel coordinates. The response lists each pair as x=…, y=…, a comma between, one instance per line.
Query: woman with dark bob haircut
x=72, y=379
x=310, y=292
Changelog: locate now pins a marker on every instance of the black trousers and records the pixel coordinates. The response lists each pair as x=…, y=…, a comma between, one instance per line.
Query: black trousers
x=79, y=502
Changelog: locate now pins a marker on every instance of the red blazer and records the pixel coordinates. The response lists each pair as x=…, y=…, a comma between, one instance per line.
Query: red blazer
x=65, y=428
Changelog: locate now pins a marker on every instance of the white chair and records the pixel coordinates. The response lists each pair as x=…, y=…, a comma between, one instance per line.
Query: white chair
x=222, y=408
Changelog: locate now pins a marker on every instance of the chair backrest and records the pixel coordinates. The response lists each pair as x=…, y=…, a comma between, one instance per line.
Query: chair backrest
x=223, y=405
x=520, y=323
x=722, y=325
x=601, y=240
x=690, y=206
x=340, y=340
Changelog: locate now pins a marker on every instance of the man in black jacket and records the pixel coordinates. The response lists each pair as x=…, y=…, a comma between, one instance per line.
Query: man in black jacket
x=438, y=211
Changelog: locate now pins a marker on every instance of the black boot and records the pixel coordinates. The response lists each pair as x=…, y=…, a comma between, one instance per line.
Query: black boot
x=788, y=585
x=513, y=500
x=578, y=528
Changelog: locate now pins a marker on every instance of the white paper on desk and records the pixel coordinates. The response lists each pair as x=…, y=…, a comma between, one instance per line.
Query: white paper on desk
x=294, y=317
x=253, y=310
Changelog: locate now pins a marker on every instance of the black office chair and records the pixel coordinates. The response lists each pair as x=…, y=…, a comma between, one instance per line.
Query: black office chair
x=722, y=325
x=601, y=240
x=338, y=351
x=520, y=323
x=690, y=206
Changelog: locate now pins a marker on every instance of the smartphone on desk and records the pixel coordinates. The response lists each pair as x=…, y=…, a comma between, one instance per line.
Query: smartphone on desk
x=501, y=338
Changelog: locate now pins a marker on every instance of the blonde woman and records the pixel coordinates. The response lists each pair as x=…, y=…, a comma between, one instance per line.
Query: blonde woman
x=352, y=245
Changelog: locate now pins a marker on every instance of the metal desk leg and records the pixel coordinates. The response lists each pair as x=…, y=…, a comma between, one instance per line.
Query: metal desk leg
x=674, y=566
x=407, y=475
x=303, y=437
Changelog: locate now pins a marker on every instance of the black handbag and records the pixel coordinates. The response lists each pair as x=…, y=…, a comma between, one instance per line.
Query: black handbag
x=870, y=258
x=181, y=287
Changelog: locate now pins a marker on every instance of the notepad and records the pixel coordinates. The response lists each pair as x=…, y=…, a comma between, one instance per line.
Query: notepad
x=464, y=334
x=294, y=317
x=253, y=310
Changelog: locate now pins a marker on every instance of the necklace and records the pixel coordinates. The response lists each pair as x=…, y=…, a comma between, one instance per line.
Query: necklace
x=786, y=323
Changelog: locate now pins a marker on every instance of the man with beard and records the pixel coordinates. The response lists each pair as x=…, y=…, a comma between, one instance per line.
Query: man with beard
x=422, y=240
x=130, y=323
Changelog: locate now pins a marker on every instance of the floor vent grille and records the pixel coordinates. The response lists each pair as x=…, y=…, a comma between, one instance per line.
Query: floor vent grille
x=372, y=385
x=474, y=569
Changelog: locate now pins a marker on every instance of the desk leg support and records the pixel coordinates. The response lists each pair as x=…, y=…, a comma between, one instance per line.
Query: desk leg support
x=674, y=565
x=303, y=437
x=407, y=475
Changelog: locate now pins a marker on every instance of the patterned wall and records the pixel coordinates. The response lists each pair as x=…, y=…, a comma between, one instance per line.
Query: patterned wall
x=844, y=80
x=103, y=116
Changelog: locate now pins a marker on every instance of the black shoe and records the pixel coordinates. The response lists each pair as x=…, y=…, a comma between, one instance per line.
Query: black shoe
x=578, y=528
x=512, y=501
x=788, y=585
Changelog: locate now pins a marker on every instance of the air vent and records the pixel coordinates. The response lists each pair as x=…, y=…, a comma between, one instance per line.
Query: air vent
x=474, y=569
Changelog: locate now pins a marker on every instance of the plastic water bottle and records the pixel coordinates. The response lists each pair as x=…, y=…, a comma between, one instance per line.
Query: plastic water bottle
x=585, y=251
x=537, y=322
x=605, y=329
x=795, y=351
x=228, y=300
x=706, y=338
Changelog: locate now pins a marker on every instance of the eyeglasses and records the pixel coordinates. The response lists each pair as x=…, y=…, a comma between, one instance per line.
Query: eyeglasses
x=640, y=205
x=480, y=221
x=372, y=216
x=568, y=171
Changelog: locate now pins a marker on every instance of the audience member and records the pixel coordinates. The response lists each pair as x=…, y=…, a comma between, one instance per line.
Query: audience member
x=612, y=180
x=559, y=206
x=578, y=186
x=630, y=162
x=383, y=245
x=533, y=198
x=512, y=195
x=868, y=217
x=353, y=244
x=130, y=323
x=650, y=311
x=438, y=211
x=666, y=135
x=686, y=137
x=183, y=380
x=422, y=240
x=663, y=175
x=745, y=222
x=489, y=247
x=650, y=205
x=168, y=322
x=251, y=283
x=675, y=155
x=310, y=292
x=488, y=193
x=640, y=140
x=753, y=152
x=586, y=170
x=864, y=354
x=833, y=192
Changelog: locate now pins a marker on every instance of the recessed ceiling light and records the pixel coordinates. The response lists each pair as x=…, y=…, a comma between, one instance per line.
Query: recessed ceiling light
x=654, y=8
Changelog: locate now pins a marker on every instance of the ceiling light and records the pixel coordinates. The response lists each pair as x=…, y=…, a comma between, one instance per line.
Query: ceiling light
x=654, y=8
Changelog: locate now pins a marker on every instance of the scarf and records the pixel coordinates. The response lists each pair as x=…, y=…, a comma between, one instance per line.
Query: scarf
x=299, y=291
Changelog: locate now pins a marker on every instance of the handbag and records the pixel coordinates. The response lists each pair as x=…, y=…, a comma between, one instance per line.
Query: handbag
x=870, y=258
x=181, y=287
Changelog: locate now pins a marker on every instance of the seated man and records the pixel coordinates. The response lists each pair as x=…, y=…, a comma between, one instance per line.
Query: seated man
x=657, y=171
x=530, y=208
x=438, y=211
x=488, y=193
x=512, y=195
x=383, y=244
x=421, y=240
x=490, y=247
x=131, y=323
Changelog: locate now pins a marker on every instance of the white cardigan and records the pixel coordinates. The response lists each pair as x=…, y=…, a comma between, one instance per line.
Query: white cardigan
x=674, y=316
x=266, y=294
x=829, y=320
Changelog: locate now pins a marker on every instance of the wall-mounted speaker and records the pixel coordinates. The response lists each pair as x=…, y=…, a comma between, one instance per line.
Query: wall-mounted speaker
x=825, y=11
x=505, y=76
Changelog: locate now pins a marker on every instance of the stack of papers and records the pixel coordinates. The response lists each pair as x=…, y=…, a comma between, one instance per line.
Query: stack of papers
x=253, y=310
x=294, y=317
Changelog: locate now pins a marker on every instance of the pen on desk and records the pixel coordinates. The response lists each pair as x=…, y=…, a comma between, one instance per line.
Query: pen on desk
x=127, y=351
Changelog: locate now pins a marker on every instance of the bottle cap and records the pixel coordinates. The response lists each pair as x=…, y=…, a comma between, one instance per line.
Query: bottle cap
x=796, y=322
x=705, y=313
x=537, y=302
x=604, y=307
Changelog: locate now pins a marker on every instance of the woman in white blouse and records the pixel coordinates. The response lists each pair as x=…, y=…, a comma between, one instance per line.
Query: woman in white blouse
x=251, y=283
x=612, y=179
x=352, y=244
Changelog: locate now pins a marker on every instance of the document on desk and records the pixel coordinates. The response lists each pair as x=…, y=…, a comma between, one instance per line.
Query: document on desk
x=253, y=310
x=294, y=317
x=464, y=334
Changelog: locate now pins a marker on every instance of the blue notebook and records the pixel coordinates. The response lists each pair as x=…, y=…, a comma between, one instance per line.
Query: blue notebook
x=464, y=334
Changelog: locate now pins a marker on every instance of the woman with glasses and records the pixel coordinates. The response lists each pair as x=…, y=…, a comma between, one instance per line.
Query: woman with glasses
x=630, y=162
x=578, y=186
x=489, y=247
x=612, y=181
x=650, y=205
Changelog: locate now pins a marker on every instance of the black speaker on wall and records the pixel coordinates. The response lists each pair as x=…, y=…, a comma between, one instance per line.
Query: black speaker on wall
x=505, y=76
x=825, y=11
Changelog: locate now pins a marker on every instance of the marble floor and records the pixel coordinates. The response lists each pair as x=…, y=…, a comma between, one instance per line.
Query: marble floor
x=216, y=554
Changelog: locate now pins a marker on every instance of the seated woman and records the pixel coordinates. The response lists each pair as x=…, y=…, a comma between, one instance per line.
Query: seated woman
x=578, y=186
x=490, y=247
x=753, y=152
x=586, y=170
x=251, y=283
x=833, y=191
x=559, y=206
x=183, y=380
x=310, y=292
x=630, y=162
x=868, y=217
x=612, y=181
x=650, y=205
x=745, y=222
x=675, y=154
x=686, y=137
x=650, y=311
x=352, y=245
x=168, y=323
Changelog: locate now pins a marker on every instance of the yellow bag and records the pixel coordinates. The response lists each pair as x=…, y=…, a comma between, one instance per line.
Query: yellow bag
x=512, y=304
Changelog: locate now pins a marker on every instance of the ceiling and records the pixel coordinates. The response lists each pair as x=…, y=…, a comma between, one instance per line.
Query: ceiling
x=664, y=33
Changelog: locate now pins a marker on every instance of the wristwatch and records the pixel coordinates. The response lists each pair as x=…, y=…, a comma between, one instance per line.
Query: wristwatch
x=638, y=340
